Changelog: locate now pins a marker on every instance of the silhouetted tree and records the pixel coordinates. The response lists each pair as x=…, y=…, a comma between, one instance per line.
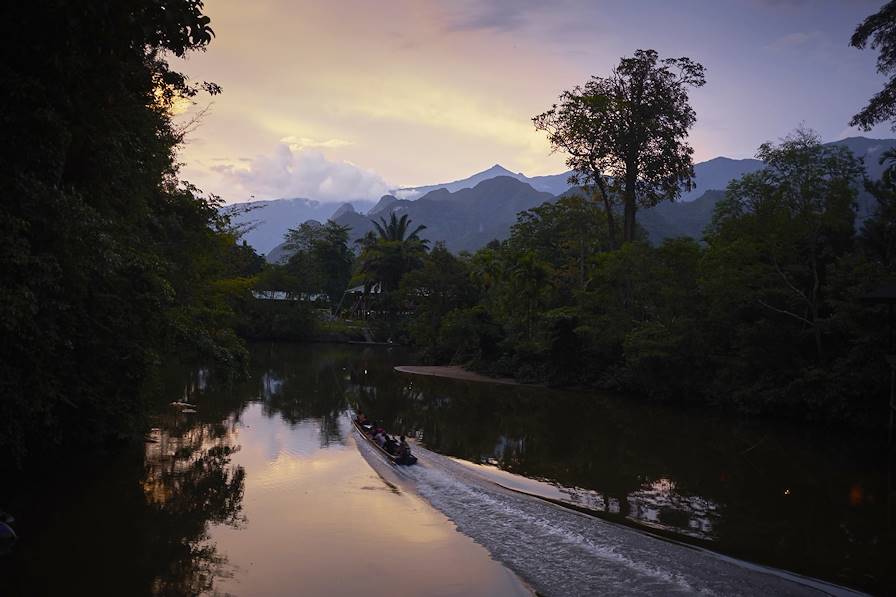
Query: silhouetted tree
x=626, y=134
x=880, y=30
x=392, y=252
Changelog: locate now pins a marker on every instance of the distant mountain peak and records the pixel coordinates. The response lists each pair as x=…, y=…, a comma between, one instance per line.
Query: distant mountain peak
x=502, y=181
x=343, y=209
x=496, y=168
x=384, y=202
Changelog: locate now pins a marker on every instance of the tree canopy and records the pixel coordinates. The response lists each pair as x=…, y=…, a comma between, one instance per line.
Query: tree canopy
x=879, y=31
x=109, y=260
x=395, y=250
x=626, y=134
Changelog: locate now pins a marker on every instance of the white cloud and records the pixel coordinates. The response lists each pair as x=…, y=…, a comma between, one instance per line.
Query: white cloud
x=298, y=143
x=304, y=172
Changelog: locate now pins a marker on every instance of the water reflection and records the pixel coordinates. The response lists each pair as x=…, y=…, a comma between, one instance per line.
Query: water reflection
x=234, y=481
x=796, y=498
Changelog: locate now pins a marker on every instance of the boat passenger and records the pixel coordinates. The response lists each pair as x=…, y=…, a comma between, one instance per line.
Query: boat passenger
x=380, y=438
x=404, y=453
x=362, y=419
x=390, y=445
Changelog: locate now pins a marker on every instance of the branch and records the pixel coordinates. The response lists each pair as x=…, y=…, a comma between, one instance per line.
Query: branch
x=785, y=312
x=799, y=292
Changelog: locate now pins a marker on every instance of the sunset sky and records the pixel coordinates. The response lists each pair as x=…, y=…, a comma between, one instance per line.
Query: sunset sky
x=346, y=99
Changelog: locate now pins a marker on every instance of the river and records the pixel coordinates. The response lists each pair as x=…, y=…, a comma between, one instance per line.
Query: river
x=266, y=490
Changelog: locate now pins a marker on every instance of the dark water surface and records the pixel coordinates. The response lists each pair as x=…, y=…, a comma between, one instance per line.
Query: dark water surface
x=263, y=490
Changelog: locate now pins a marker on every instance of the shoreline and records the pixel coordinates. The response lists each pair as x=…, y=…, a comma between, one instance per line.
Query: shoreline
x=454, y=372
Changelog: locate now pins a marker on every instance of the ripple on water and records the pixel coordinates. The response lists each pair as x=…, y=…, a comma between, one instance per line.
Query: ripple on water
x=563, y=552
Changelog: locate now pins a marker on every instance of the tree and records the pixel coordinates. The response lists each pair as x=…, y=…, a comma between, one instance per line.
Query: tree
x=626, y=134
x=441, y=286
x=334, y=259
x=397, y=228
x=879, y=30
x=303, y=237
x=387, y=256
x=322, y=260
x=780, y=229
x=564, y=233
x=878, y=233
x=107, y=259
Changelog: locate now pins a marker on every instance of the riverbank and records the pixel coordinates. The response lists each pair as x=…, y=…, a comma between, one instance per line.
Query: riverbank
x=454, y=372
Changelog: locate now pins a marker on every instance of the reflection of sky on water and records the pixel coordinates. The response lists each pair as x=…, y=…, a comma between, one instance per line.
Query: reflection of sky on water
x=321, y=522
x=658, y=504
x=272, y=437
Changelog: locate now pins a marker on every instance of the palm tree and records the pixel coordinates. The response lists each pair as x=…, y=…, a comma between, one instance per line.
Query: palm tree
x=395, y=250
x=396, y=229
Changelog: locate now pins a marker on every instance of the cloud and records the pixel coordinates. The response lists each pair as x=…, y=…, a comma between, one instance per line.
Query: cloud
x=299, y=143
x=289, y=172
x=499, y=15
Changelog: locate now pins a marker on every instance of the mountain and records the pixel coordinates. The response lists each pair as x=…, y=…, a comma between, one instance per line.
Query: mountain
x=465, y=219
x=670, y=220
x=683, y=218
x=552, y=183
x=716, y=174
x=266, y=222
x=468, y=213
x=870, y=150
x=712, y=174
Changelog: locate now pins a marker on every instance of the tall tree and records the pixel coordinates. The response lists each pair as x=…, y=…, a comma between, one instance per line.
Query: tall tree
x=397, y=228
x=879, y=30
x=395, y=250
x=779, y=230
x=626, y=134
x=334, y=259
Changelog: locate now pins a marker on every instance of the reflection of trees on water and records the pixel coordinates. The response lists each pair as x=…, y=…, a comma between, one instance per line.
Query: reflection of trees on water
x=189, y=483
x=688, y=472
x=299, y=383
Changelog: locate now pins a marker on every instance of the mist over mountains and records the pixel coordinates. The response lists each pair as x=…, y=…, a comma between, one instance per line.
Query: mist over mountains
x=265, y=222
x=466, y=214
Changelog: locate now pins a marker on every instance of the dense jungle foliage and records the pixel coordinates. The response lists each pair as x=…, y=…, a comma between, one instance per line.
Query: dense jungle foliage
x=107, y=260
x=765, y=315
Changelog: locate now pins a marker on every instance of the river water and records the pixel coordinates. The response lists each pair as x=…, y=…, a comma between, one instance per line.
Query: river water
x=267, y=490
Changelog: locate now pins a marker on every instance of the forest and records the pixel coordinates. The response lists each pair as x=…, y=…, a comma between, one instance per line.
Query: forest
x=112, y=263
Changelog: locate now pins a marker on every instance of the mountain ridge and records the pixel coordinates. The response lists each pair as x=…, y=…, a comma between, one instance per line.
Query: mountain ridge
x=665, y=220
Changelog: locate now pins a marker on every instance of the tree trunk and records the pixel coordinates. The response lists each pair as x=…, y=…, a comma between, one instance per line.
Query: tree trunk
x=816, y=285
x=631, y=207
x=608, y=207
x=629, y=230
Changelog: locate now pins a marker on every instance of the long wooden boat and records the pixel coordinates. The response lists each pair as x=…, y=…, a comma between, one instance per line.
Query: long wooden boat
x=370, y=440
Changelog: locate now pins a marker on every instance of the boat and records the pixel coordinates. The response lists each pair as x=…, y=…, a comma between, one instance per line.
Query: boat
x=366, y=435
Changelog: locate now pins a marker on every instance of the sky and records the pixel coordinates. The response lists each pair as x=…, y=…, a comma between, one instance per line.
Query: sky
x=347, y=99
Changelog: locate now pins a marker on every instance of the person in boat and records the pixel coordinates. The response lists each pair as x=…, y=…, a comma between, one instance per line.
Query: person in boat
x=390, y=445
x=362, y=419
x=380, y=437
x=403, y=453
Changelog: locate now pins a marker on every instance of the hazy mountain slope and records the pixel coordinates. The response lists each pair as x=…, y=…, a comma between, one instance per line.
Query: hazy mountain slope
x=717, y=173
x=463, y=220
x=553, y=183
x=669, y=220
x=268, y=221
x=468, y=213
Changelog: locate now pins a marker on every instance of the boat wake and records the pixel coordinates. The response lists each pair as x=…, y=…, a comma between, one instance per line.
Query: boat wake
x=560, y=551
